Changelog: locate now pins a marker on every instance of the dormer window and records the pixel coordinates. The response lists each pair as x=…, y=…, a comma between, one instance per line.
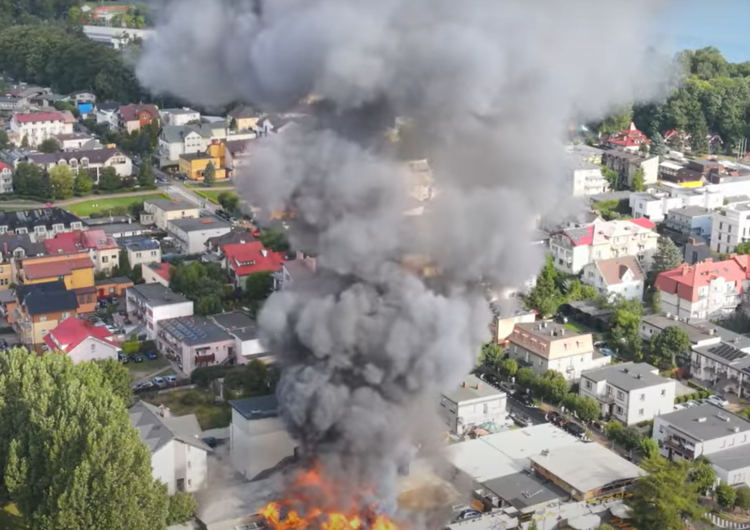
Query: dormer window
x=85, y=162
x=22, y=230
x=76, y=225
x=3, y=229
x=58, y=228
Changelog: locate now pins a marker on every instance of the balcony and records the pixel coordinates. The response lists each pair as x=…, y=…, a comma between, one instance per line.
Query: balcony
x=680, y=446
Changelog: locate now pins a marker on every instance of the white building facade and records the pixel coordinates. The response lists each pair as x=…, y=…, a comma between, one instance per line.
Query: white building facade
x=730, y=226
x=617, y=277
x=474, y=404
x=38, y=127
x=151, y=303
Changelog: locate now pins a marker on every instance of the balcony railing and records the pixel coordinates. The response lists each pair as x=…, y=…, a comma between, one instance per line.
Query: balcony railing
x=681, y=446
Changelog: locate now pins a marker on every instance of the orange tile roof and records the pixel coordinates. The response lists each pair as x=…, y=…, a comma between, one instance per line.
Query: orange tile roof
x=56, y=269
x=686, y=280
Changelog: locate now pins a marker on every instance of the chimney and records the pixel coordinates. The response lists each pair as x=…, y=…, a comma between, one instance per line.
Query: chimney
x=463, y=385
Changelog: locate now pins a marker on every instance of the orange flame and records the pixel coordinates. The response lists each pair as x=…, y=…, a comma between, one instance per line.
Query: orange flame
x=282, y=516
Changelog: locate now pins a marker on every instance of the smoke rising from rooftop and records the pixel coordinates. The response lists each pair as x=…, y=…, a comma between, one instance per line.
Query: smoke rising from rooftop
x=491, y=88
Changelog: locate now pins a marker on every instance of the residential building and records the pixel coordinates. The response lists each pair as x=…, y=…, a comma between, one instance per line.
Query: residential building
x=13, y=249
x=243, y=118
x=237, y=155
x=157, y=273
x=194, y=342
x=544, y=346
x=691, y=221
x=39, y=126
x=668, y=170
x=151, y=303
x=175, y=141
x=77, y=141
x=121, y=230
x=258, y=438
x=93, y=161
x=723, y=365
x=39, y=309
x=81, y=341
x=39, y=224
x=677, y=139
x=574, y=248
x=245, y=259
x=190, y=234
x=730, y=226
x=247, y=338
x=141, y=250
x=102, y=249
x=106, y=113
x=629, y=392
x=179, y=117
x=132, y=117
x=6, y=178
x=616, y=277
x=82, y=96
x=627, y=164
x=696, y=250
x=473, y=405
x=76, y=270
x=630, y=140
x=585, y=152
x=584, y=173
x=166, y=210
x=709, y=431
x=705, y=290
x=295, y=271
x=237, y=236
x=194, y=164
x=179, y=457
x=700, y=332
x=666, y=197
x=117, y=287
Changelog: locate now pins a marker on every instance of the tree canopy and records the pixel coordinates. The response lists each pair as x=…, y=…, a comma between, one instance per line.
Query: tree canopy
x=666, y=257
x=62, y=182
x=203, y=283
x=69, y=455
x=667, y=345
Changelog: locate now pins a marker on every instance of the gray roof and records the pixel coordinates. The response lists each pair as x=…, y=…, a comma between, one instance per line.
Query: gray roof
x=661, y=322
x=552, y=331
x=177, y=111
x=732, y=459
x=298, y=270
x=29, y=219
x=169, y=205
x=13, y=242
x=95, y=156
x=522, y=490
x=201, y=223
x=237, y=235
x=117, y=228
x=588, y=466
x=194, y=331
x=156, y=430
x=233, y=320
x=156, y=294
x=691, y=211
x=471, y=388
x=726, y=354
x=255, y=408
x=706, y=422
x=177, y=133
x=627, y=376
x=235, y=505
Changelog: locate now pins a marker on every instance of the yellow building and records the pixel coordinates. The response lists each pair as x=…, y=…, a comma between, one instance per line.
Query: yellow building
x=243, y=118
x=76, y=270
x=194, y=164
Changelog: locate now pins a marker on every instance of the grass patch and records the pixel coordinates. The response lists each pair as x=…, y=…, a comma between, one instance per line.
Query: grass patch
x=211, y=415
x=94, y=205
x=578, y=327
x=138, y=370
x=10, y=518
x=217, y=184
x=212, y=195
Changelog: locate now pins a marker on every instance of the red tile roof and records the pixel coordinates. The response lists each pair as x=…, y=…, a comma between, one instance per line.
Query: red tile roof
x=686, y=280
x=131, y=112
x=37, y=271
x=5, y=166
x=162, y=269
x=39, y=116
x=249, y=258
x=77, y=241
x=644, y=223
x=71, y=332
x=630, y=137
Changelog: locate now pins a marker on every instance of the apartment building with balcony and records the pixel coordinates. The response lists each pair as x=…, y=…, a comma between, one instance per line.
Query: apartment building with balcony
x=474, y=404
x=574, y=248
x=709, y=431
x=705, y=290
x=629, y=392
x=151, y=303
x=544, y=346
x=666, y=197
x=690, y=221
x=730, y=226
x=6, y=178
x=724, y=366
x=94, y=161
x=195, y=342
x=627, y=164
x=166, y=210
x=39, y=126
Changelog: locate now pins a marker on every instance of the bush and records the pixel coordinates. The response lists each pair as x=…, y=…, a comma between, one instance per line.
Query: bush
x=182, y=507
x=203, y=376
x=148, y=345
x=191, y=398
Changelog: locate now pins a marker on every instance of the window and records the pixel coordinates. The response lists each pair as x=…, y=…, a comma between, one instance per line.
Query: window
x=620, y=395
x=76, y=225
x=65, y=315
x=137, y=254
x=93, y=346
x=105, y=259
x=664, y=392
x=588, y=385
x=189, y=464
x=643, y=397
x=640, y=412
x=619, y=409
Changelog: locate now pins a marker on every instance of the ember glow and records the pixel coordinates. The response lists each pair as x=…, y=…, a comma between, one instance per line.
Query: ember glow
x=309, y=506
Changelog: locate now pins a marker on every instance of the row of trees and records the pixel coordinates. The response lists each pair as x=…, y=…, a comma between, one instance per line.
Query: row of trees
x=69, y=457
x=24, y=11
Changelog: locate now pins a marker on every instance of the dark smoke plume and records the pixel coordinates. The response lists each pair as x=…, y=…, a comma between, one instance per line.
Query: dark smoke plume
x=490, y=88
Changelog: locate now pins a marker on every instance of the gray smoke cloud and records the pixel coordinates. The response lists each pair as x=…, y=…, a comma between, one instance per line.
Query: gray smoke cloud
x=492, y=87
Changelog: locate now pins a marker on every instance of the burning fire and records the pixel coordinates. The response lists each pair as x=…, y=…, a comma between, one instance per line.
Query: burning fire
x=308, y=508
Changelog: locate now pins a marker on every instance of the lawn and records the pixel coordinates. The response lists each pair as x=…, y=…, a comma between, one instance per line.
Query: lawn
x=211, y=415
x=578, y=327
x=218, y=184
x=94, y=205
x=212, y=194
x=141, y=370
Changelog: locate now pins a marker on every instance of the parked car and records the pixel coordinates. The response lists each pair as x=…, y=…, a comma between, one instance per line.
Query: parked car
x=3, y=344
x=680, y=406
x=608, y=352
x=467, y=514
x=600, y=344
x=122, y=358
x=151, y=355
x=524, y=398
x=171, y=379
x=113, y=300
x=555, y=418
x=159, y=381
x=136, y=358
x=210, y=441
x=492, y=379
x=522, y=421
x=576, y=430
x=691, y=403
x=719, y=400
x=143, y=386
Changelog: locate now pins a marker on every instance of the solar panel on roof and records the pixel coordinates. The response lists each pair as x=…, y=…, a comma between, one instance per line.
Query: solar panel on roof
x=725, y=351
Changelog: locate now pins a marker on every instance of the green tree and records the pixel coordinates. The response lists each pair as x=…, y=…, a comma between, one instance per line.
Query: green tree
x=131, y=346
x=275, y=239
x=25, y=141
x=229, y=201
x=614, y=430
x=258, y=286
x=62, y=182
x=742, y=500
x=617, y=121
x=508, y=367
x=552, y=386
x=625, y=326
x=658, y=147
x=544, y=296
x=4, y=141
x=233, y=124
x=209, y=175
x=743, y=248
x=579, y=291
x=182, y=507
x=605, y=527
x=118, y=378
x=666, y=258
x=631, y=438
x=665, y=498
x=570, y=402
x=49, y=145
x=639, y=184
x=123, y=264
x=725, y=495
x=82, y=185
x=656, y=301
x=146, y=177
x=525, y=377
x=702, y=474
x=208, y=305
x=70, y=456
x=649, y=447
x=27, y=180
x=109, y=180
x=588, y=409
x=667, y=345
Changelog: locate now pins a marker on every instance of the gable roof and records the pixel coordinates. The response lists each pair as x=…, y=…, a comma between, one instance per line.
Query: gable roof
x=131, y=112
x=249, y=258
x=29, y=219
x=157, y=430
x=71, y=332
x=600, y=232
x=40, y=302
x=686, y=280
x=94, y=156
x=36, y=117
x=613, y=270
x=36, y=271
x=10, y=242
x=162, y=269
x=76, y=241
